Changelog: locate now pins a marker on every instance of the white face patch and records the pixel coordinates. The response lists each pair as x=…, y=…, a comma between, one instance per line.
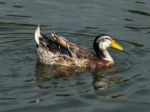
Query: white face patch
x=104, y=42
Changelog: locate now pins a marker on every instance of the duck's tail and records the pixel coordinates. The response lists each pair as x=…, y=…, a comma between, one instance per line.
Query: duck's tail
x=37, y=34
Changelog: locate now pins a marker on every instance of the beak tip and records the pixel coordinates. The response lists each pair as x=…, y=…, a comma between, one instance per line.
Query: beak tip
x=121, y=49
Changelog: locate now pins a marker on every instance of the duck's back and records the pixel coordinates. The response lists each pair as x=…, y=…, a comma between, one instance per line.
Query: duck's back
x=57, y=50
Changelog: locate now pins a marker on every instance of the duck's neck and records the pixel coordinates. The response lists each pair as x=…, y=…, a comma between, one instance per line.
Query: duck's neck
x=104, y=55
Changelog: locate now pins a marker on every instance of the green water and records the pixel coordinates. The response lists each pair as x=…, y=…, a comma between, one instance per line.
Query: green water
x=26, y=85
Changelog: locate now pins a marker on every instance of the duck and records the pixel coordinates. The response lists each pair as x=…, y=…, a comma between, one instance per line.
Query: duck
x=54, y=49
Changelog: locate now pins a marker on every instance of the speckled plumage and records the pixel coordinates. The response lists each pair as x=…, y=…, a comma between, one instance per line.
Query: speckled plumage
x=57, y=50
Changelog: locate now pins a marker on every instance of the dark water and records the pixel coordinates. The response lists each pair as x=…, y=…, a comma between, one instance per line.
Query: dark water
x=26, y=85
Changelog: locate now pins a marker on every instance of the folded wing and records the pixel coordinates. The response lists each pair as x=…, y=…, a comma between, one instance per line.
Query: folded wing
x=60, y=45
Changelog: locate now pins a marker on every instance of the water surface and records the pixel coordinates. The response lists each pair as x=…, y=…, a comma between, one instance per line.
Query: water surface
x=26, y=85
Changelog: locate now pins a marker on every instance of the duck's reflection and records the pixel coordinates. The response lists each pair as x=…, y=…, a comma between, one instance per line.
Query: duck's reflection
x=47, y=72
x=100, y=81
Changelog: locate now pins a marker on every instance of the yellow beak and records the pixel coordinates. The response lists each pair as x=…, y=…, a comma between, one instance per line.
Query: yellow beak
x=115, y=45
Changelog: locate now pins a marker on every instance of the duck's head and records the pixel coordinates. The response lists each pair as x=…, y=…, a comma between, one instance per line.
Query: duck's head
x=101, y=43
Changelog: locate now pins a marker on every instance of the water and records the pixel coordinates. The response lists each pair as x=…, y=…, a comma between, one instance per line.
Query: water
x=26, y=85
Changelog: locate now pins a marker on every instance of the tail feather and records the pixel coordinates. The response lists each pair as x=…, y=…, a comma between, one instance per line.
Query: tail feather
x=37, y=34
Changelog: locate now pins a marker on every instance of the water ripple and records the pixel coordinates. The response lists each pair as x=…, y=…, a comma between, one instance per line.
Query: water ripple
x=2, y=2
x=140, y=2
x=137, y=28
x=17, y=6
x=139, y=12
x=20, y=16
x=15, y=24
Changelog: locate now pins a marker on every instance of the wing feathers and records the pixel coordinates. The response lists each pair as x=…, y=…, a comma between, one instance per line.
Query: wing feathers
x=56, y=43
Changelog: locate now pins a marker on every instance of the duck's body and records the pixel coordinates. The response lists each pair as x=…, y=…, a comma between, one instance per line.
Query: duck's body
x=57, y=50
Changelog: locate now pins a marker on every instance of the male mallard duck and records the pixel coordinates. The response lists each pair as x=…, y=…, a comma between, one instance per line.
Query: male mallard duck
x=57, y=50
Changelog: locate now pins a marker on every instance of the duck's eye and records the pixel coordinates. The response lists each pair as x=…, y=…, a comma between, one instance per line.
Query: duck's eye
x=107, y=38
